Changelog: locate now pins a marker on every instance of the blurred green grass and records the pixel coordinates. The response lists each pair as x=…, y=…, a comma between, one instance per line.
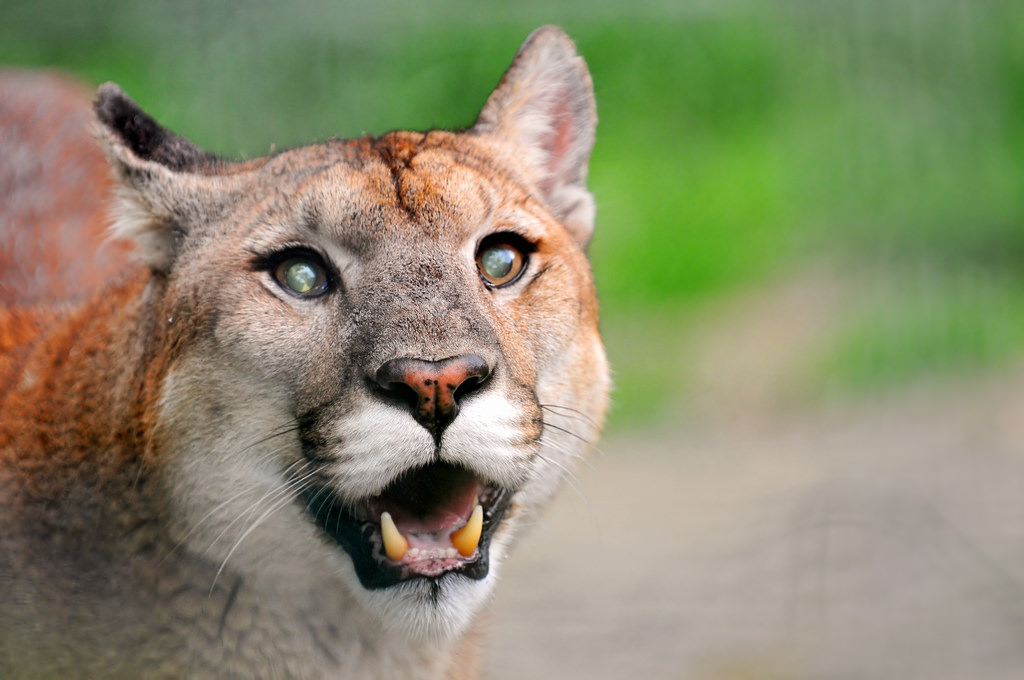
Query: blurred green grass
x=914, y=324
x=738, y=142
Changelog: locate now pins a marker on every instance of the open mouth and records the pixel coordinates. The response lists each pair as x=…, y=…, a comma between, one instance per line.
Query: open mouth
x=430, y=522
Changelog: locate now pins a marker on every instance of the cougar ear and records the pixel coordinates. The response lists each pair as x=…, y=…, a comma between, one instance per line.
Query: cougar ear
x=544, y=105
x=160, y=175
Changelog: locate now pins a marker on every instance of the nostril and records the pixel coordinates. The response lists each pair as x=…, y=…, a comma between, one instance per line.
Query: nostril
x=475, y=372
x=432, y=389
x=400, y=392
x=468, y=386
x=467, y=373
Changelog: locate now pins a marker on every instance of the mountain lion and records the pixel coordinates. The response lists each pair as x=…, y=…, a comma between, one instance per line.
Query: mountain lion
x=297, y=439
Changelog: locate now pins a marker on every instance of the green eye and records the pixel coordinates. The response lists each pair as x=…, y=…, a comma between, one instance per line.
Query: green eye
x=500, y=263
x=302, y=275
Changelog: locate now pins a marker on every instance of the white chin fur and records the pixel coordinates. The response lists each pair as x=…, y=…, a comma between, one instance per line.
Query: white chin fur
x=429, y=611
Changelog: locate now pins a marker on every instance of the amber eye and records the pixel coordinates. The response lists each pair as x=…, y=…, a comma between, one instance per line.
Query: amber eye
x=302, y=275
x=501, y=260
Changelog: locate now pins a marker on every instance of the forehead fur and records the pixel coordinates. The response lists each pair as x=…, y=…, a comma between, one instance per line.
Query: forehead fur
x=436, y=182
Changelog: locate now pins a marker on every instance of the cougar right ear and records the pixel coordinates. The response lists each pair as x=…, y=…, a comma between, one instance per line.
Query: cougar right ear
x=544, y=106
x=162, y=177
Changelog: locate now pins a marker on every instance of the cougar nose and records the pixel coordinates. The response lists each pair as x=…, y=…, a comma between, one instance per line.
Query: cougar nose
x=432, y=389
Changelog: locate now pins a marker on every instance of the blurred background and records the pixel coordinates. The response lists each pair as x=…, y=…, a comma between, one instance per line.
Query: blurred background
x=810, y=254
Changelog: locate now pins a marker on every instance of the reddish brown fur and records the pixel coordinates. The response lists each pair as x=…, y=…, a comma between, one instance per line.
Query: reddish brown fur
x=62, y=370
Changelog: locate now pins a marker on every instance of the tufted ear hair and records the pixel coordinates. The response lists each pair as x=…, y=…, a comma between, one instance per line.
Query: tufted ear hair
x=544, y=105
x=161, y=177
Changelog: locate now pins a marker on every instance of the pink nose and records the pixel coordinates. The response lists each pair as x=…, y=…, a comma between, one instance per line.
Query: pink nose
x=432, y=389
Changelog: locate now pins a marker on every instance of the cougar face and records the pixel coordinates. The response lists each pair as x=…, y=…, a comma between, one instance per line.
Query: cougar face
x=299, y=438
x=396, y=339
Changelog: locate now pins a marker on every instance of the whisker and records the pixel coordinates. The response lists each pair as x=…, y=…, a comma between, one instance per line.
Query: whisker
x=566, y=451
x=574, y=482
x=583, y=439
x=284, y=497
x=320, y=491
x=278, y=432
x=569, y=473
x=274, y=492
x=570, y=477
x=579, y=415
x=210, y=513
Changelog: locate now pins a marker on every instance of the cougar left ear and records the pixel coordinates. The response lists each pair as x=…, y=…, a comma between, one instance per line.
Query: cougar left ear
x=160, y=176
x=544, y=105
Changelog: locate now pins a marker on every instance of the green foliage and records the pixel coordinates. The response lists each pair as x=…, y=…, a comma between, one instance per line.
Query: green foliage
x=930, y=324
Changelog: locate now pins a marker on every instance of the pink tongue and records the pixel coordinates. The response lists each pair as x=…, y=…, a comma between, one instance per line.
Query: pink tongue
x=435, y=505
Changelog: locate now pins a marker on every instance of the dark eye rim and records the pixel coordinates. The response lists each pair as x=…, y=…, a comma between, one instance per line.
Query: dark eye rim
x=273, y=262
x=524, y=247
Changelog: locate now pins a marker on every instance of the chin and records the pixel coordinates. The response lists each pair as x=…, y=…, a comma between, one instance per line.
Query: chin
x=437, y=609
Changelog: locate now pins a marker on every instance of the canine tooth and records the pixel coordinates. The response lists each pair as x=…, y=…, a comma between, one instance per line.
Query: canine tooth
x=468, y=537
x=395, y=544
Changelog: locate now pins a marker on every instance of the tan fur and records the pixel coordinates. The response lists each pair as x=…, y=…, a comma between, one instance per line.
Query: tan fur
x=155, y=437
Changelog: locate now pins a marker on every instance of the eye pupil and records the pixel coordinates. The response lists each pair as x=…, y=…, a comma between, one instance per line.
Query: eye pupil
x=497, y=262
x=301, y=277
x=501, y=260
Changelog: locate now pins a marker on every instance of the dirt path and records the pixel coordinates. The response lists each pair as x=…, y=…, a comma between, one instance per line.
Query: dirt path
x=875, y=541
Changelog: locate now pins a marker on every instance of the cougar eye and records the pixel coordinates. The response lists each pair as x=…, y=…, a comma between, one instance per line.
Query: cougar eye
x=501, y=259
x=302, y=275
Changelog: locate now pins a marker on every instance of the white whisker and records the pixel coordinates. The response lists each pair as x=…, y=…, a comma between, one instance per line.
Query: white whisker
x=249, y=488
x=570, y=477
x=284, y=495
x=569, y=412
x=273, y=492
